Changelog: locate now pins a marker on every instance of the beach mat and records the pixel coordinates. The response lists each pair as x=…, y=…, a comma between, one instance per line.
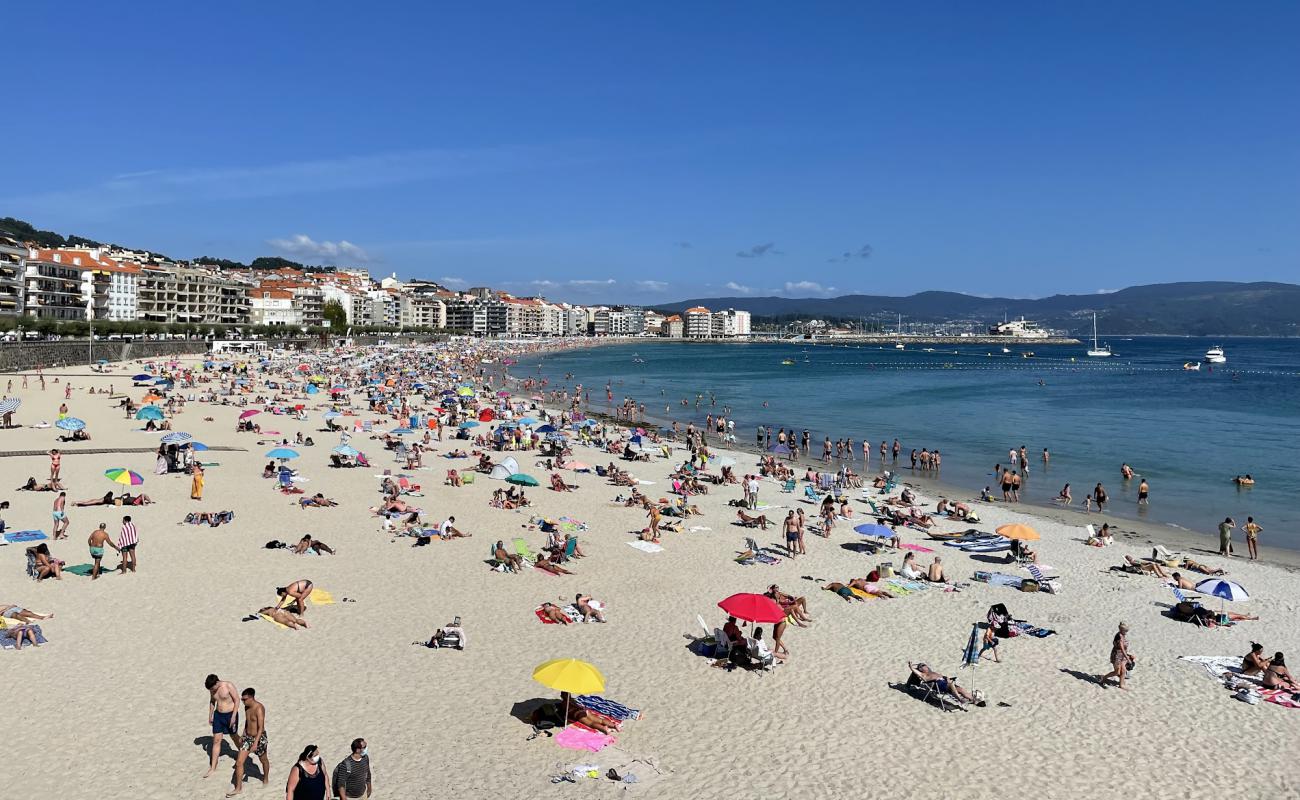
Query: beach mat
x=320, y=597
x=84, y=570
x=580, y=737
x=25, y=536
x=646, y=547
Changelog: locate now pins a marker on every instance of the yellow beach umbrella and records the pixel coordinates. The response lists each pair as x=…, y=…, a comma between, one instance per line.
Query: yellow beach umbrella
x=1018, y=531
x=570, y=675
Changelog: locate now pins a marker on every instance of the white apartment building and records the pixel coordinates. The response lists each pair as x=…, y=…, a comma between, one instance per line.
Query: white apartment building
x=274, y=307
x=729, y=324
x=13, y=274
x=697, y=323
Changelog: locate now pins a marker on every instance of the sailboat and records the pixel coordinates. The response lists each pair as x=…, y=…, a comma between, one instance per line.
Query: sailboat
x=899, y=345
x=1096, y=351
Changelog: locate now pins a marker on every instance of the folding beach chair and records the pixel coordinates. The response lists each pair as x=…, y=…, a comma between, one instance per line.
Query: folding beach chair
x=929, y=692
x=521, y=548
x=810, y=493
x=1045, y=583
x=788, y=486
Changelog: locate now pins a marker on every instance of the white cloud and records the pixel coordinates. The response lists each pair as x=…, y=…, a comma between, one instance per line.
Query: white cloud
x=1107, y=291
x=544, y=284
x=736, y=287
x=652, y=286
x=452, y=282
x=303, y=246
x=807, y=287
x=606, y=282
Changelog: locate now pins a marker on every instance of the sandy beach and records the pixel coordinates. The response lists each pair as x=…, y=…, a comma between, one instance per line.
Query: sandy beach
x=113, y=706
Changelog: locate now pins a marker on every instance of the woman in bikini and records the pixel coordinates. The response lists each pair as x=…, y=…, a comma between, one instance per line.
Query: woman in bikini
x=1277, y=676
x=299, y=591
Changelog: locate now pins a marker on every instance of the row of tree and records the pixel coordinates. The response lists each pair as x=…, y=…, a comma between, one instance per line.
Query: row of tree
x=77, y=328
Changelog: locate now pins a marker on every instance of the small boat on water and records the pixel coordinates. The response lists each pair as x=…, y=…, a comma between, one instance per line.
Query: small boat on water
x=1192, y=366
x=1096, y=351
x=1027, y=354
x=788, y=362
x=927, y=349
x=637, y=359
x=1006, y=350
x=1215, y=355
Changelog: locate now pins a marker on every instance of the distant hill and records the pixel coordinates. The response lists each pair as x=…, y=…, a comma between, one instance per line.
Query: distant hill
x=1207, y=308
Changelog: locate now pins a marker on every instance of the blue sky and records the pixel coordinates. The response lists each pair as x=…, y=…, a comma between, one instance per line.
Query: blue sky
x=651, y=152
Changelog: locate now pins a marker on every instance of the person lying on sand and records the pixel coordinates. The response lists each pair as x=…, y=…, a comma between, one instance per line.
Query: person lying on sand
x=553, y=613
x=285, y=618
x=752, y=522
x=1181, y=582
x=106, y=500
x=870, y=587
x=9, y=611
x=307, y=543
x=582, y=602
x=843, y=591
x=1149, y=567
x=53, y=485
x=317, y=500
x=579, y=714
x=543, y=562
x=1196, y=566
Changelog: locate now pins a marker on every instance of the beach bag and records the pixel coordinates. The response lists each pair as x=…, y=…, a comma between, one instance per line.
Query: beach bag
x=1029, y=585
x=275, y=544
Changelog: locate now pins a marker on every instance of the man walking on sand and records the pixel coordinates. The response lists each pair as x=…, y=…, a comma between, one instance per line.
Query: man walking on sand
x=352, y=778
x=1225, y=536
x=223, y=698
x=60, y=513
x=253, y=741
x=98, y=538
x=126, y=544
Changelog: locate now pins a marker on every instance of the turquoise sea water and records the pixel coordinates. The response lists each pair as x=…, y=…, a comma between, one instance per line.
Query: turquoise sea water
x=1187, y=433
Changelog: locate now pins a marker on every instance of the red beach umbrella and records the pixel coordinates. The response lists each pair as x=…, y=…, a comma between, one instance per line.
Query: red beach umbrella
x=753, y=608
x=486, y=415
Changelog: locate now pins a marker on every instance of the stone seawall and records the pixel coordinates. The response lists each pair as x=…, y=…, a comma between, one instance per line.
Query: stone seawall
x=51, y=355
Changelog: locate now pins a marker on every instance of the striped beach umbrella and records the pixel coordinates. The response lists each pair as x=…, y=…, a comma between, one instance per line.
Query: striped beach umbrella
x=176, y=437
x=70, y=424
x=1227, y=590
x=10, y=404
x=123, y=476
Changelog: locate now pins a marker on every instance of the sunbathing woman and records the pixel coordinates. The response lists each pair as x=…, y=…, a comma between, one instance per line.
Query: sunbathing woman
x=553, y=613
x=47, y=566
x=1149, y=567
x=307, y=543
x=1196, y=566
x=285, y=618
x=583, y=603
x=549, y=565
x=870, y=587
x=594, y=721
x=317, y=500
x=752, y=522
x=795, y=607
x=1277, y=676
x=106, y=500
x=21, y=614
x=558, y=484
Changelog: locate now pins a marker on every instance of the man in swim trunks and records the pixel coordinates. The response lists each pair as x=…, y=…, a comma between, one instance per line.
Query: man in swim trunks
x=843, y=591
x=1144, y=489
x=98, y=538
x=944, y=684
x=791, y=526
x=253, y=741
x=60, y=515
x=222, y=700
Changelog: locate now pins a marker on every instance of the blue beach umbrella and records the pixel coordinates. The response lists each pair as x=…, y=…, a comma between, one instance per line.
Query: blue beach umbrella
x=779, y=449
x=282, y=453
x=332, y=414
x=1227, y=590
x=198, y=447
x=546, y=429
x=176, y=437
x=401, y=431
x=70, y=424
x=142, y=377
x=149, y=412
x=311, y=389
x=469, y=424
x=871, y=529
x=347, y=450
x=527, y=421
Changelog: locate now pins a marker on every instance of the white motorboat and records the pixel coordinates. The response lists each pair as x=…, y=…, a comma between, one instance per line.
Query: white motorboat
x=1098, y=351
x=1215, y=355
x=1192, y=366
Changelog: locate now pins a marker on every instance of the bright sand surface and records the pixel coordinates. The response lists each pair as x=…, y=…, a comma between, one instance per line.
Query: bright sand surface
x=114, y=705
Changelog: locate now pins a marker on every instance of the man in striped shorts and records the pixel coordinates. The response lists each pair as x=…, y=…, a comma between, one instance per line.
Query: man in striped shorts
x=126, y=544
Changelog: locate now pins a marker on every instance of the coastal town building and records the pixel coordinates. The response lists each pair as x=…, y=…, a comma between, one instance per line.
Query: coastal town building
x=53, y=287
x=672, y=327
x=175, y=293
x=698, y=323
x=13, y=275
x=271, y=306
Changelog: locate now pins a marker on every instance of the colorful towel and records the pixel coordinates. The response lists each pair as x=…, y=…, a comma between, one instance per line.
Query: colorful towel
x=862, y=594
x=915, y=548
x=1281, y=697
x=25, y=536
x=609, y=708
x=320, y=597
x=1031, y=630
x=273, y=622
x=645, y=547
x=580, y=737
x=9, y=636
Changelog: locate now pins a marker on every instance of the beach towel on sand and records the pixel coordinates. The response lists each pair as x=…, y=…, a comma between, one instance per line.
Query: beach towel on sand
x=1280, y=697
x=321, y=597
x=273, y=622
x=9, y=635
x=84, y=570
x=645, y=547
x=606, y=707
x=580, y=737
x=25, y=536
x=1216, y=666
